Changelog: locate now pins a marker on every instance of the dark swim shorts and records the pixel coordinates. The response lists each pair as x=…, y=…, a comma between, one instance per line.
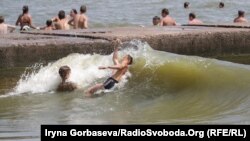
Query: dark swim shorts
x=109, y=83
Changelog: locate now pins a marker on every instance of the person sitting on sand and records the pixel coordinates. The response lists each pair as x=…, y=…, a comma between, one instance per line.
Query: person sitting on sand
x=83, y=19
x=61, y=22
x=193, y=20
x=119, y=69
x=5, y=27
x=166, y=19
x=241, y=17
x=75, y=19
x=64, y=73
x=186, y=5
x=156, y=21
x=25, y=20
x=221, y=5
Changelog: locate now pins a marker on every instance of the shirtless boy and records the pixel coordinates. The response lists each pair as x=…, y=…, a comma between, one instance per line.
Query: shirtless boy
x=75, y=19
x=25, y=20
x=193, y=20
x=166, y=19
x=4, y=28
x=241, y=17
x=61, y=21
x=83, y=19
x=64, y=73
x=119, y=69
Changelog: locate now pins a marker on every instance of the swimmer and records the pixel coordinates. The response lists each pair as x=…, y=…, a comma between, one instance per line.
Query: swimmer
x=166, y=19
x=221, y=5
x=25, y=20
x=119, y=69
x=83, y=19
x=156, y=21
x=64, y=73
x=193, y=20
x=241, y=17
x=186, y=5
x=4, y=28
x=61, y=22
x=75, y=19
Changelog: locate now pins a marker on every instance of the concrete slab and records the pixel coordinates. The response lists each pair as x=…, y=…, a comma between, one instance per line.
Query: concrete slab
x=34, y=46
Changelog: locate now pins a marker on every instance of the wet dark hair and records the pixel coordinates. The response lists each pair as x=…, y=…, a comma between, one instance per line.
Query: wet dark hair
x=192, y=15
x=221, y=4
x=130, y=60
x=49, y=22
x=165, y=11
x=64, y=71
x=156, y=18
x=186, y=4
x=61, y=14
x=1, y=19
x=25, y=9
x=241, y=13
x=83, y=9
x=74, y=10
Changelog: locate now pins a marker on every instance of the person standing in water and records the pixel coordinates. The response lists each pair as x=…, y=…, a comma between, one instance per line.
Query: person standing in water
x=5, y=27
x=83, y=19
x=119, y=69
x=64, y=73
x=25, y=19
x=166, y=19
x=241, y=17
x=75, y=19
x=61, y=21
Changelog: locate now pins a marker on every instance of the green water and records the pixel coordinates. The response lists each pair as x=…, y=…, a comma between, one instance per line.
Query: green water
x=160, y=88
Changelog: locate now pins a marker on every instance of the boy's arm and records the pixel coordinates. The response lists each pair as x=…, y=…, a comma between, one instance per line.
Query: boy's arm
x=18, y=20
x=115, y=54
x=70, y=22
x=115, y=67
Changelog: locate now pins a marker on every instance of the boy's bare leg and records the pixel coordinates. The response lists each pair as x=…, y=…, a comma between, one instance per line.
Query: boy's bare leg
x=93, y=89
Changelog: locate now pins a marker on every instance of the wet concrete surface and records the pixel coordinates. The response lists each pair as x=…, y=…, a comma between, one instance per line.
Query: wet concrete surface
x=21, y=49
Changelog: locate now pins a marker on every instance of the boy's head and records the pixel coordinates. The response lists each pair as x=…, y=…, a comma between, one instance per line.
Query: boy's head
x=64, y=72
x=221, y=5
x=192, y=16
x=164, y=12
x=156, y=20
x=128, y=59
x=241, y=13
x=186, y=5
x=49, y=22
x=83, y=9
x=73, y=12
x=61, y=14
x=1, y=19
x=25, y=9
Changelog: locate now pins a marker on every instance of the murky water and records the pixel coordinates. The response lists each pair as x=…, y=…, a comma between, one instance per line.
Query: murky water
x=160, y=88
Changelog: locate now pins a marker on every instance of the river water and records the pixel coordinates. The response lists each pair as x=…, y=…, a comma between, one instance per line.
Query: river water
x=160, y=88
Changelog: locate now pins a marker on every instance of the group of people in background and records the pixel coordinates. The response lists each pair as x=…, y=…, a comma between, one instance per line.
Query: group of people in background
x=60, y=22
x=79, y=20
x=167, y=20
